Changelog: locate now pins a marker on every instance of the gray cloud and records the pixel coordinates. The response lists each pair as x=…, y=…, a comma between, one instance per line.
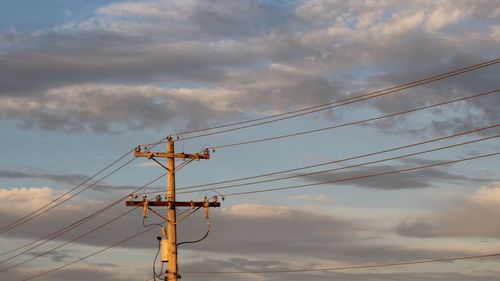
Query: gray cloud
x=81, y=273
x=242, y=264
x=69, y=179
x=430, y=177
x=277, y=231
x=474, y=217
x=88, y=274
x=101, y=108
x=33, y=73
x=273, y=57
x=100, y=273
x=56, y=256
x=252, y=238
x=112, y=48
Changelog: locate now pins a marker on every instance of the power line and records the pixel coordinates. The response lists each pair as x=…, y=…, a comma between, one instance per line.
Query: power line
x=68, y=242
x=376, y=265
x=410, y=84
x=44, y=208
x=21, y=220
x=377, y=93
x=346, y=167
x=63, y=230
x=54, y=235
x=353, y=123
x=335, y=161
x=28, y=218
x=346, y=101
x=258, y=191
x=364, y=176
x=88, y=256
x=95, y=253
x=86, y=233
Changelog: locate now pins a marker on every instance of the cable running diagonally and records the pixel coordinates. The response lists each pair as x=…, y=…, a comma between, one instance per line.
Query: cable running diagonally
x=364, y=176
x=65, y=229
x=366, y=266
x=414, y=83
x=329, y=162
x=334, y=161
x=88, y=256
x=20, y=221
x=308, y=110
x=346, y=167
x=69, y=241
x=45, y=208
x=353, y=123
x=234, y=194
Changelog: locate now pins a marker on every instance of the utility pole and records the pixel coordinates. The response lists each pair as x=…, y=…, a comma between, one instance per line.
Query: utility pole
x=170, y=243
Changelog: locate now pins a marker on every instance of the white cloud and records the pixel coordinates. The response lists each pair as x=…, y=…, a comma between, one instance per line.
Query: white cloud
x=443, y=16
x=17, y=201
x=103, y=108
x=147, y=165
x=403, y=23
x=254, y=210
x=315, y=198
x=475, y=216
x=488, y=197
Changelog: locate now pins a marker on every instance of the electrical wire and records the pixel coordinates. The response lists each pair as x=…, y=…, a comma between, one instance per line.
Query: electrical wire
x=184, y=164
x=69, y=241
x=209, y=227
x=87, y=256
x=189, y=214
x=58, y=233
x=148, y=225
x=348, y=167
x=375, y=93
x=71, y=196
x=24, y=218
x=159, y=239
x=268, y=190
x=81, y=221
x=410, y=84
x=166, y=219
x=42, y=210
x=461, y=71
x=426, y=80
x=473, y=141
x=364, y=176
x=346, y=179
x=154, y=263
x=403, y=170
x=65, y=229
x=90, y=255
x=367, y=266
x=332, y=162
x=354, y=122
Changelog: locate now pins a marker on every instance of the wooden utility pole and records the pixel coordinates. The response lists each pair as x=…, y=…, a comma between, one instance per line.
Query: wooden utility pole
x=170, y=155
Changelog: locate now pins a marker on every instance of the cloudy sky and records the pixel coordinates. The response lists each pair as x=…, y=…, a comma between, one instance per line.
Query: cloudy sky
x=83, y=82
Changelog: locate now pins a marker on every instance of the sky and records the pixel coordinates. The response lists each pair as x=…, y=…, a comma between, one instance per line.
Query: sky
x=84, y=82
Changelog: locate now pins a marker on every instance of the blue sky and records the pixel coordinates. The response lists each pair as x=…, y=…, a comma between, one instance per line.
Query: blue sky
x=30, y=16
x=83, y=82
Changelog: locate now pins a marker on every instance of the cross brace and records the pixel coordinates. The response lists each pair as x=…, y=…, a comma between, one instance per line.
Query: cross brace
x=172, y=204
x=149, y=155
